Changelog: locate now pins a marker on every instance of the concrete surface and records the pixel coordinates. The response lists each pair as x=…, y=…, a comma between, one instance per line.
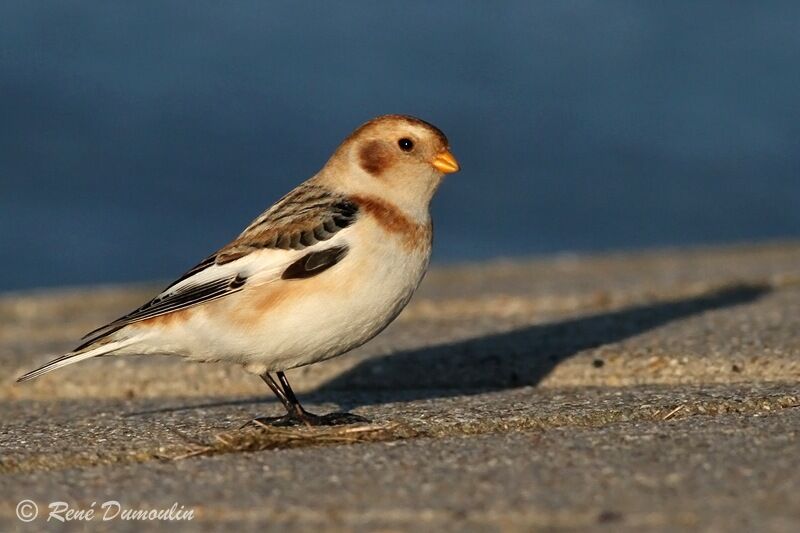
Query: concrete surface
x=631, y=391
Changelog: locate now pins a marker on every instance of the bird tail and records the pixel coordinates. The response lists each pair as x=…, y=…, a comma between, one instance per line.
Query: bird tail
x=76, y=357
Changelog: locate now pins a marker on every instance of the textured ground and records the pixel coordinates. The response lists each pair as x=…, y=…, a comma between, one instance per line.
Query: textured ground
x=654, y=390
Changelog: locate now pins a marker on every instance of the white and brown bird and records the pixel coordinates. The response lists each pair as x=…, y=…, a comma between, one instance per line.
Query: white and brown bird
x=319, y=273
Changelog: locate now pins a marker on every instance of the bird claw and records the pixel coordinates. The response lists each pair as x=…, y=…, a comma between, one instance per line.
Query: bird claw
x=306, y=419
x=273, y=421
x=337, y=419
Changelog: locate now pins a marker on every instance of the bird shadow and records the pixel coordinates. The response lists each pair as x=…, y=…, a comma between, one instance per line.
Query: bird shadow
x=516, y=358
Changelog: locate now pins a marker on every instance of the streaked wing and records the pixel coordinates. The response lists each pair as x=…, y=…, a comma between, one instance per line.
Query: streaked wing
x=181, y=299
x=181, y=295
x=307, y=215
x=300, y=221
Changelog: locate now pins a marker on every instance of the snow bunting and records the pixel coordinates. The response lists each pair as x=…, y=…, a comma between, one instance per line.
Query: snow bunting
x=319, y=273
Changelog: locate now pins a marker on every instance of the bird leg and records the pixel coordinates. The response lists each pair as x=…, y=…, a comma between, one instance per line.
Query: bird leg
x=295, y=414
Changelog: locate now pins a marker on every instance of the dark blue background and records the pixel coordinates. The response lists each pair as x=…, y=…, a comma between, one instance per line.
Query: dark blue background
x=139, y=136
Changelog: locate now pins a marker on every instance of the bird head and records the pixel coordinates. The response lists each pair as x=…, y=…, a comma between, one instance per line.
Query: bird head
x=395, y=157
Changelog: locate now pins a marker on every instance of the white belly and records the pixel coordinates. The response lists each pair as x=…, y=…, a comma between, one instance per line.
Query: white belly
x=290, y=323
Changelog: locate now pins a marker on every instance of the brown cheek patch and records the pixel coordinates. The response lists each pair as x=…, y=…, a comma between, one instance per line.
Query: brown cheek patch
x=375, y=157
x=391, y=219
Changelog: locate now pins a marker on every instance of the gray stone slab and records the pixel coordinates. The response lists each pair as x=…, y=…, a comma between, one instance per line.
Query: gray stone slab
x=656, y=390
x=732, y=472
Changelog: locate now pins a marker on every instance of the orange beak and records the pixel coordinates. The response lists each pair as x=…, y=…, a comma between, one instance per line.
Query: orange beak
x=445, y=163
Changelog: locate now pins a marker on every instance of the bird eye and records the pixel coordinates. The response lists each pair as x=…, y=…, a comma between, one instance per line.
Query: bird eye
x=406, y=144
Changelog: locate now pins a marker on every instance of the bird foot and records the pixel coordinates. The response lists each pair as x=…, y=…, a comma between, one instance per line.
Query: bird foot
x=307, y=419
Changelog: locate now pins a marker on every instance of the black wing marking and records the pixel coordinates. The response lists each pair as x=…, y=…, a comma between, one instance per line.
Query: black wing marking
x=168, y=303
x=315, y=263
x=184, y=298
